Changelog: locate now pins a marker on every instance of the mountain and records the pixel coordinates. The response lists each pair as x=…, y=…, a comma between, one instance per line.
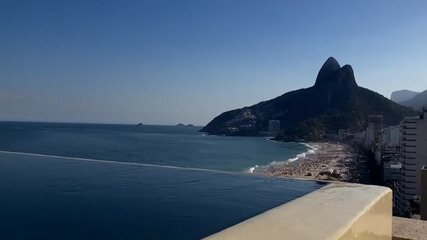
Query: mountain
x=417, y=102
x=334, y=102
x=402, y=95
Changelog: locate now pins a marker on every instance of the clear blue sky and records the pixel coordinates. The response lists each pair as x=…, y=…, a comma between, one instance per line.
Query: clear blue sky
x=174, y=61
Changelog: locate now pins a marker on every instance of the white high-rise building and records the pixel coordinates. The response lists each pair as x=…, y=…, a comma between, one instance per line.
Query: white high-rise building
x=414, y=156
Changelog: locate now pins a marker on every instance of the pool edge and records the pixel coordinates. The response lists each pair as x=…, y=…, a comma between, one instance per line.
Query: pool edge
x=335, y=211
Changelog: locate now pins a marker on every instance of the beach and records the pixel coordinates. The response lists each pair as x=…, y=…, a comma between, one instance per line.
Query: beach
x=323, y=161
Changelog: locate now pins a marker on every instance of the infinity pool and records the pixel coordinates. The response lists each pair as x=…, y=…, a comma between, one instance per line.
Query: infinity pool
x=44, y=197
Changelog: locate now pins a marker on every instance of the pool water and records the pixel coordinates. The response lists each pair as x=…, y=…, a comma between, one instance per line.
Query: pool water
x=45, y=197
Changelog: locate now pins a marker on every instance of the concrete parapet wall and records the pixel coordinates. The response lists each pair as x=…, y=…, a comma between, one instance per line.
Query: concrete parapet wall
x=336, y=211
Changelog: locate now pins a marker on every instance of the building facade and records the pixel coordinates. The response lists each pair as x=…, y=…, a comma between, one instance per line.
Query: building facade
x=374, y=131
x=414, y=157
x=424, y=193
x=391, y=136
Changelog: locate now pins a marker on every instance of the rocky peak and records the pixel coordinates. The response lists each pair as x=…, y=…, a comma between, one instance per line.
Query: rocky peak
x=332, y=74
x=329, y=68
x=334, y=102
x=346, y=76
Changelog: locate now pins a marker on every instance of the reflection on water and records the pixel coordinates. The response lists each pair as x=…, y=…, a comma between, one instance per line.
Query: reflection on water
x=58, y=198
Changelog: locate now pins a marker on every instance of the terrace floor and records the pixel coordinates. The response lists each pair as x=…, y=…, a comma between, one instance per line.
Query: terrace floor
x=406, y=228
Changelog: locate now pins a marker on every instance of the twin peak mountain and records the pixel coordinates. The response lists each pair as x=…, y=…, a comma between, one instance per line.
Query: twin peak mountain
x=334, y=102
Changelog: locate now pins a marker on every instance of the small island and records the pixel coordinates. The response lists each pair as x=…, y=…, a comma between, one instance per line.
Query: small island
x=139, y=124
x=184, y=125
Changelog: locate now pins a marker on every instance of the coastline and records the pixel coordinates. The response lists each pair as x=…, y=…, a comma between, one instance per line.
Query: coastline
x=322, y=161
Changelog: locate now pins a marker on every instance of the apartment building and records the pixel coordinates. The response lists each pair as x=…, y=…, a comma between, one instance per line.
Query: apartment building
x=373, y=131
x=414, y=157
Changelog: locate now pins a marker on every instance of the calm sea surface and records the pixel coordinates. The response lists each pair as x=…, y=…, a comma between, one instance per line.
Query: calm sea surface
x=159, y=145
x=97, y=183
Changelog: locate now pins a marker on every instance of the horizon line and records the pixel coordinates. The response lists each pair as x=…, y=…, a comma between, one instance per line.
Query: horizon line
x=99, y=123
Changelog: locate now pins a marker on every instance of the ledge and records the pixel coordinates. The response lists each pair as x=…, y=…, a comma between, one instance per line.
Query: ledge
x=409, y=229
x=336, y=211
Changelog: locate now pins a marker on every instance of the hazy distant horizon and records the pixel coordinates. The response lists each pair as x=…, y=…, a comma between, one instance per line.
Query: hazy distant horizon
x=161, y=123
x=106, y=123
x=165, y=62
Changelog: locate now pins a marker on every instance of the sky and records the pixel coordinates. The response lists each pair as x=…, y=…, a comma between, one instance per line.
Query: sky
x=164, y=62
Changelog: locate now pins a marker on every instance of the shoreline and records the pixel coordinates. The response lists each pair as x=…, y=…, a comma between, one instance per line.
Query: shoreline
x=321, y=161
x=258, y=168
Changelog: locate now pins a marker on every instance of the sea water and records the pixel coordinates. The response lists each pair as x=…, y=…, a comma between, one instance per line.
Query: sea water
x=99, y=181
x=159, y=145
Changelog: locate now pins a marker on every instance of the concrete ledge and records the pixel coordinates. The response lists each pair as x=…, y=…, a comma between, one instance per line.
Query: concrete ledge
x=336, y=211
x=409, y=229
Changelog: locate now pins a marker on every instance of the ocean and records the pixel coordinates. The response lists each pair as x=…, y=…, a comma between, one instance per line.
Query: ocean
x=158, y=145
x=100, y=181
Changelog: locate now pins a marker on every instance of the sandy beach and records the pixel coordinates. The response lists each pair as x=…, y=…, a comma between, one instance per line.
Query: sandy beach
x=323, y=161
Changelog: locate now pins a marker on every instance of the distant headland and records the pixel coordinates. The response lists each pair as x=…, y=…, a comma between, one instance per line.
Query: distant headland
x=184, y=125
x=334, y=102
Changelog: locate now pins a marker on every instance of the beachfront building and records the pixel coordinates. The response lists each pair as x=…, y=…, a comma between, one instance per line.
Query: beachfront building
x=388, y=155
x=414, y=156
x=387, y=147
x=390, y=142
x=377, y=122
x=424, y=193
x=392, y=172
x=374, y=130
x=369, y=137
x=392, y=177
x=391, y=136
x=273, y=127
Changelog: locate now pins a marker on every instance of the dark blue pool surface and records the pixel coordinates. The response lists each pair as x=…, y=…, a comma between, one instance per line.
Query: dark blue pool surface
x=61, y=198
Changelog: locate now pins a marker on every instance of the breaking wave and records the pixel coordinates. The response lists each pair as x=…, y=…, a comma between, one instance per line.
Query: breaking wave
x=311, y=149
